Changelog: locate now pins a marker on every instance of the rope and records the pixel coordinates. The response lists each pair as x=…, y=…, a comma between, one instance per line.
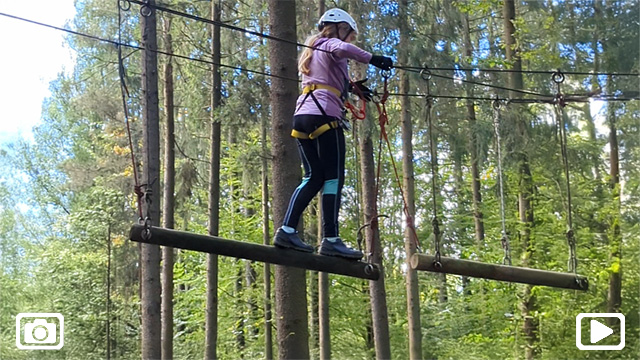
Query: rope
x=357, y=113
x=425, y=74
x=383, y=121
x=506, y=247
x=137, y=188
x=559, y=104
x=435, y=223
x=571, y=241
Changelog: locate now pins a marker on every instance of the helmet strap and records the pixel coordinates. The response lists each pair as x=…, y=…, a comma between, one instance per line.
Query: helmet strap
x=346, y=36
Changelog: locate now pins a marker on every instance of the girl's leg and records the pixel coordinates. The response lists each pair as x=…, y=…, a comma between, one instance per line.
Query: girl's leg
x=310, y=185
x=331, y=149
x=332, y=153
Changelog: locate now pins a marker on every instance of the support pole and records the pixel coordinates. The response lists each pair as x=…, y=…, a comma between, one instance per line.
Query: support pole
x=500, y=272
x=252, y=251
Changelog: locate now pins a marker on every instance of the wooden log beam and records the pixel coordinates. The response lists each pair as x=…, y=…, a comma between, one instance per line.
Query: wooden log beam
x=258, y=252
x=500, y=272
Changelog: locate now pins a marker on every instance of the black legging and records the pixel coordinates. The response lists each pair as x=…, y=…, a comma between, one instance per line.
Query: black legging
x=323, y=161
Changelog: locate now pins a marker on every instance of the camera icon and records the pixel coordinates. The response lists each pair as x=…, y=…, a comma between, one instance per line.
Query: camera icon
x=39, y=331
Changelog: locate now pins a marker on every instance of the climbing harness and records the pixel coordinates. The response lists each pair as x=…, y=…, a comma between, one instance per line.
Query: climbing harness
x=358, y=114
x=317, y=132
x=506, y=247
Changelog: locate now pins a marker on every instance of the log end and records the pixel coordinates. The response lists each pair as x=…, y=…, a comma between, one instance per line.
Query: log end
x=414, y=261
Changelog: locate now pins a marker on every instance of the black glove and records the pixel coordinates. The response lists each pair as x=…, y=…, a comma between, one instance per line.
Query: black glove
x=365, y=91
x=381, y=62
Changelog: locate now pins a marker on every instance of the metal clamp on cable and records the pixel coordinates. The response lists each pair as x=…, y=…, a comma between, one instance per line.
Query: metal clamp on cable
x=557, y=77
x=497, y=104
x=368, y=269
x=146, y=10
x=146, y=232
x=124, y=5
x=425, y=73
x=437, y=263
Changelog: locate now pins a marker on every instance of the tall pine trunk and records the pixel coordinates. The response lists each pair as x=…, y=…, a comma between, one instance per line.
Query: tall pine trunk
x=324, y=334
x=211, y=316
x=168, y=201
x=377, y=292
x=150, y=254
x=266, y=236
x=314, y=336
x=478, y=219
x=266, y=240
x=410, y=240
x=525, y=189
x=614, y=294
x=291, y=297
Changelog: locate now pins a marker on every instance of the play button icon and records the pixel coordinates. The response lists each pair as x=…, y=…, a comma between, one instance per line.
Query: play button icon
x=599, y=331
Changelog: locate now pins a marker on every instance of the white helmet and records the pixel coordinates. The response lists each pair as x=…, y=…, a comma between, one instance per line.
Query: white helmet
x=336, y=16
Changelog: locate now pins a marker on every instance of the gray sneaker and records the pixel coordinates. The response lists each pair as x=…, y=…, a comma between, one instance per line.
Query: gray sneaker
x=290, y=241
x=339, y=249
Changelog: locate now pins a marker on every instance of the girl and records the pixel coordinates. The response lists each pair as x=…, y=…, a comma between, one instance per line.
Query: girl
x=318, y=128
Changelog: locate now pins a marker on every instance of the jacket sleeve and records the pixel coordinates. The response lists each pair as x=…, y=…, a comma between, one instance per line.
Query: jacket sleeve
x=343, y=49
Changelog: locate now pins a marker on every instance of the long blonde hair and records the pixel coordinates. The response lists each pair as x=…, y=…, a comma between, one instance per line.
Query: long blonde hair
x=327, y=32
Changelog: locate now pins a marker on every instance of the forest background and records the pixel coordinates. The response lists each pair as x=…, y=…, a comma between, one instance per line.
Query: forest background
x=66, y=198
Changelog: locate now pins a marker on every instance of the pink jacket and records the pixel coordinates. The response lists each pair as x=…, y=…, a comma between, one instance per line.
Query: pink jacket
x=329, y=69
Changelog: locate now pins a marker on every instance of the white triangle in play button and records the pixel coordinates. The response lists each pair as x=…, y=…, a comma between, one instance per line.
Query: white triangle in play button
x=599, y=331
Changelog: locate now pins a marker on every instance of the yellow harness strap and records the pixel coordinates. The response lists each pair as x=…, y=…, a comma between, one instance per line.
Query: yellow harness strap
x=317, y=132
x=309, y=88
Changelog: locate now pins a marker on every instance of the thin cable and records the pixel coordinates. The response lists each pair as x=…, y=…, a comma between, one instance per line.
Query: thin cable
x=538, y=101
x=222, y=24
x=479, y=83
x=401, y=67
x=263, y=35
x=117, y=44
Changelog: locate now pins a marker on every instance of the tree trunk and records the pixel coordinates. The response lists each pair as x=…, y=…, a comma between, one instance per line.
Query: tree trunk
x=324, y=332
x=240, y=314
x=266, y=232
x=473, y=145
x=266, y=240
x=410, y=241
x=108, y=325
x=291, y=298
x=377, y=291
x=168, y=201
x=614, y=295
x=314, y=343
x=211, y=316
x=150, y=262
x=525, y=190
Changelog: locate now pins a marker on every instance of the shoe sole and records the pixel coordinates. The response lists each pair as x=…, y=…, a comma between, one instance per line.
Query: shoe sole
x=288, y=246
x=340, y=255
